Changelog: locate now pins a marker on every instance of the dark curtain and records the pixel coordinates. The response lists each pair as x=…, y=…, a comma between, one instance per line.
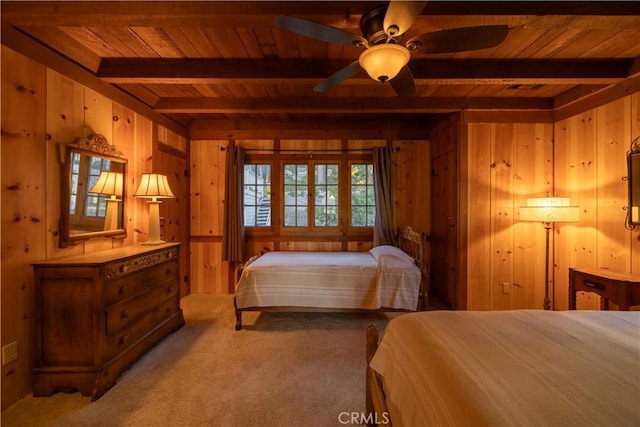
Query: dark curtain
x=233, y=233
x=383, y=231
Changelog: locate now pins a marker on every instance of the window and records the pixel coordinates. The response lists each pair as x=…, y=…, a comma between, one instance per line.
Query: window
x=363, y=201
x=314, y=194
x=296, y=195
x=257, y=195
x=326, y=195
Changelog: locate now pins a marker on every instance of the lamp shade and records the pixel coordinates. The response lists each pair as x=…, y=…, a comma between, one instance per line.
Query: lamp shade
x=549, y=209
x=154, y=186
x=109, y=183
x=384, y=61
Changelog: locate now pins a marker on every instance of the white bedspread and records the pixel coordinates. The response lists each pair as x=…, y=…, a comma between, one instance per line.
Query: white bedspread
x=509, y=368
x=343, y=280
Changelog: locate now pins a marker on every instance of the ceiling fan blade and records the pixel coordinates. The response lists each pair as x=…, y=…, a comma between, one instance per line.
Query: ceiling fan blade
x=338, y=77
x=319, y=31
x=401, y=15
x=459, y=39
x=403, y=83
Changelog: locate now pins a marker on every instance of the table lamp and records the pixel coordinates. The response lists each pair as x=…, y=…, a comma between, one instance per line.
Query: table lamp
x=154, y=186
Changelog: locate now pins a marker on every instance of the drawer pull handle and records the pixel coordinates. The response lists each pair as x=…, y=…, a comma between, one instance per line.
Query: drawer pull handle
x=167, y=272
x=123, y=289
x=170, y=289
x=124, y=314
x=123, y=339
x=594, y=285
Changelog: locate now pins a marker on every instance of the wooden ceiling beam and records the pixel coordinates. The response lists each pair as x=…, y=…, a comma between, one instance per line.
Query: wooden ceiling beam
x=464, y=71
x=392, y=129
x=330, y=105
x=596, y=98
x=260, y=13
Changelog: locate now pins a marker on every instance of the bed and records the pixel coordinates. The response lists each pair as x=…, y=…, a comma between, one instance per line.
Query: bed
x=383, y=278
x=506, y=368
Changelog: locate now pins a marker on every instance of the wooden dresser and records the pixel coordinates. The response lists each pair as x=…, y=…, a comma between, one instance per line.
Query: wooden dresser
x=98, y=313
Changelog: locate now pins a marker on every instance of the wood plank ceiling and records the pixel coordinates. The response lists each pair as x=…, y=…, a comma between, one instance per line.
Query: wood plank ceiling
x=228, y=60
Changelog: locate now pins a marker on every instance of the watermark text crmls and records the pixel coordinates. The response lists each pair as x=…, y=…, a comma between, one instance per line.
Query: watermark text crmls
x=371, y=418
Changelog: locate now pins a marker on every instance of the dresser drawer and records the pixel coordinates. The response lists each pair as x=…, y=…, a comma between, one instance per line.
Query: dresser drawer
x=119, y=269
x=133, y=284
x=121, y=340
x=125, y=313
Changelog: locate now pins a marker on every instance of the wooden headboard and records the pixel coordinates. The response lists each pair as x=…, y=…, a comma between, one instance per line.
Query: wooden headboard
x=412, y=243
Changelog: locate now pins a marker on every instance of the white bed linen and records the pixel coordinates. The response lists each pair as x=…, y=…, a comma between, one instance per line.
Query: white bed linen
x=508, y=368
x=343, y=280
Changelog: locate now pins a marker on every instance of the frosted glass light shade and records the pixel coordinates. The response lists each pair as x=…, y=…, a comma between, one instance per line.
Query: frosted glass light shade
x=154, y=186
x=109, y=183
x=549, y=209
x=384, y=61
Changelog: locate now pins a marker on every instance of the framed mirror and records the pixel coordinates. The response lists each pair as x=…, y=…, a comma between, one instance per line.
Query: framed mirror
x=633, y=176
x=93, y=190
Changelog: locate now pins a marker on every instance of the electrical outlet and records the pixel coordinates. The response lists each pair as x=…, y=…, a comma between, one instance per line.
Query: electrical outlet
x=9, y=352
x=506, y=287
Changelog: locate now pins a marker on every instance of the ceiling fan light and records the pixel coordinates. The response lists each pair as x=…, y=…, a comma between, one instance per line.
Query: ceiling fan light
x=384, y=61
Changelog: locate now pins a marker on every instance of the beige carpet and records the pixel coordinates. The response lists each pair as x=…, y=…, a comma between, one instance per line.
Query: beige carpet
x=282, y=369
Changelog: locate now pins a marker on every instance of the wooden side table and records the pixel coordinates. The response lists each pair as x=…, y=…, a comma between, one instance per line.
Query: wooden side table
x=622, y=289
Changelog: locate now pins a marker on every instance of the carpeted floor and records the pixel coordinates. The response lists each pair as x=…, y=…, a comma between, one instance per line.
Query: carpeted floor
x=282, y=369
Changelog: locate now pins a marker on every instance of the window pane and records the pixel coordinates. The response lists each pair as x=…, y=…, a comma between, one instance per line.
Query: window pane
x=302, y=217
x=249, y=216
x=289, y=216
x=332, y=195
x=358, y=216
x=321, y=195
x=320, y=216
x=332, y=174
x=332, y=216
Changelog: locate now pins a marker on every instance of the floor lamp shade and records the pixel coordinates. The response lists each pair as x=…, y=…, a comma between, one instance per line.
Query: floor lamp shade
x=154, y=186
x=549, y=210
x=109, y=184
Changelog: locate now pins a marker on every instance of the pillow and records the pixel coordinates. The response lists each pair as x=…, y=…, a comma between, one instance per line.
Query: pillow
x=385, y=254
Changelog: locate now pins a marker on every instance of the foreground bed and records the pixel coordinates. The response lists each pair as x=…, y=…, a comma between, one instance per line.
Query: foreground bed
x=384, y=278
x=524, y=367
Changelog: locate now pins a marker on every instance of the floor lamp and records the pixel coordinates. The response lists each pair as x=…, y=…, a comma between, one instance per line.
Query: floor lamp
x=110, y=184
x=154, y=186
x=548, y=210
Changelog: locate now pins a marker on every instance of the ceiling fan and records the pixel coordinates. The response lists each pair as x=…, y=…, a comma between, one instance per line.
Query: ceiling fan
x=384, y=58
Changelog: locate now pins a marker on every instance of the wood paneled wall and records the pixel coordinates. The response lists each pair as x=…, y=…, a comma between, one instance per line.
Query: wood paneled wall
x=411, y=180
x=590, y=167
x=582, y=157
x=41, y=109
x=507, y=164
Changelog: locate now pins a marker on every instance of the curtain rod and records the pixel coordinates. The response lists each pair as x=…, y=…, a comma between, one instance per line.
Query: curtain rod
x=300, y=150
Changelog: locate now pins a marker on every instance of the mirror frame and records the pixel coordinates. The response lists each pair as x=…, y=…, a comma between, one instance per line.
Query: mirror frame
x=95, y=145
x=633, y=178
